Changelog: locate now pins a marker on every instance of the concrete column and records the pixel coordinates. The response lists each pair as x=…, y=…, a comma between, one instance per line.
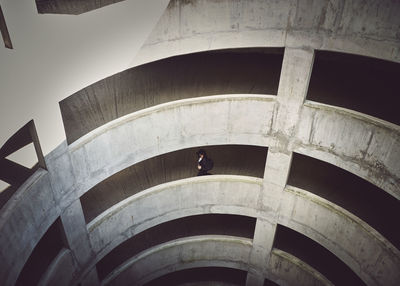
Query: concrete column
x=292, y=91
x=76, y=234
x=293, y=85
x=260, y=252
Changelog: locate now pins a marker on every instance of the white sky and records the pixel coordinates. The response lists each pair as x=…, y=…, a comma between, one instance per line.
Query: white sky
x=57, y=55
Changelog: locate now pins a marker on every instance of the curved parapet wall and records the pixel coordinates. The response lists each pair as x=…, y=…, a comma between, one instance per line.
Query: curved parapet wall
x=192, y=26
x=373, y=258
x=210, y=250
x=244, y=160
x=159, y=204
x=193, y=252
x=285, y=269
x=24, y=219
x=358, y=143
x=169, y=127
x=236, y=71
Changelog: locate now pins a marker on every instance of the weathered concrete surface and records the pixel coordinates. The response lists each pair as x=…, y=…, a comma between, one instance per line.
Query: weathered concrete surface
x=248, y=71
x=191, y=252
x=213, y=250
x=61, y=271
x=23, y=221
x=196, y=251
x=169, y=127
x=360, y=144
x=204, y=224
x=260, y=253
x=285, y=269
x=367, y=28
x=243, y=160
x=375, y=260
x=200, y=195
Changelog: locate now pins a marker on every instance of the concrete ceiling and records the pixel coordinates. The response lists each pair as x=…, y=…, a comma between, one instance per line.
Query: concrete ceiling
x=57, y=55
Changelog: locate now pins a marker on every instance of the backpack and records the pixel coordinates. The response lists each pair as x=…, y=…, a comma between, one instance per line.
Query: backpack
x=209, y=164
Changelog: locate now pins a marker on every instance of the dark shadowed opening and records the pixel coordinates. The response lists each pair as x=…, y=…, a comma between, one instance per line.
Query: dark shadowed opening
x=217, y=224
x=358, y=196
x=360, y=83
x=316, y=256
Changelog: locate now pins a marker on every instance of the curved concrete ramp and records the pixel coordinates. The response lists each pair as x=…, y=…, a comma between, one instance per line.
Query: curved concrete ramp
x=239, y=195
x=169, y=127
x=361, y=144
x=374, y=259
x=249, y=71
x=206, y=251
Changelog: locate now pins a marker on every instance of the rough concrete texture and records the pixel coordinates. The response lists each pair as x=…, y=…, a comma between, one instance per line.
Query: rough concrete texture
x=330, y=225
x=169, y=127
x=367, y=28
x=365, y=146
x=191, y=252
x=173, y=200
x=23, y=221
x=233, y=71
x=219, y=250
x=245, y=160
x=285, y=269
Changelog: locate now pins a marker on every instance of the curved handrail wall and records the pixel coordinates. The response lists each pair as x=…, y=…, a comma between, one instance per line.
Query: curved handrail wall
x=240, y=159
x=361, y=144
x=234, y=71
x=23, y=220
x=170, y=201
x=306, y=213
x=159, y=204
x=192, y=252
x=169, y=127
x=284, y=269
x=188, y=27
x=218, y=250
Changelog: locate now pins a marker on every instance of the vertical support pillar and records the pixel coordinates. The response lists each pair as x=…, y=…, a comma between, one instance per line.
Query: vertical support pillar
x=260, y=253
x=292, y=91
